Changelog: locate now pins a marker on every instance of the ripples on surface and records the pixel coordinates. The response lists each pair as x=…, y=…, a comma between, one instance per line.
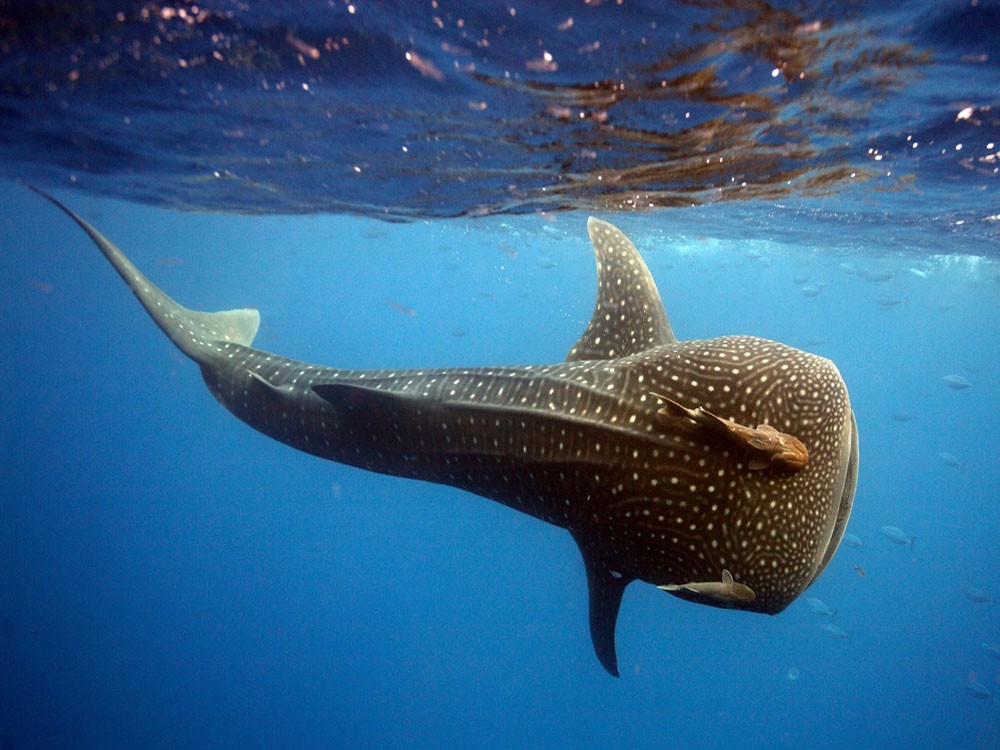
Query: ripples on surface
x=405, y=110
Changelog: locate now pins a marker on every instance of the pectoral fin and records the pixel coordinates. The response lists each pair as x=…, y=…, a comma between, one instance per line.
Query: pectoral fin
x=606, y=587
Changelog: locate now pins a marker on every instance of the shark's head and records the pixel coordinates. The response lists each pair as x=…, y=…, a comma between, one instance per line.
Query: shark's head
x=776, y=528
x=718, y=496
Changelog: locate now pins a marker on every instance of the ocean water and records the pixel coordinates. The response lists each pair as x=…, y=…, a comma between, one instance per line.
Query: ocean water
x=171, y=578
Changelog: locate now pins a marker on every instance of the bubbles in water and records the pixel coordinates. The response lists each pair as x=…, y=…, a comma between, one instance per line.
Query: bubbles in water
x=793, y=674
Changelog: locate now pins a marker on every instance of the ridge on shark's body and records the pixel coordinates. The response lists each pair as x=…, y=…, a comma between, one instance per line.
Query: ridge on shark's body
x=652, y=493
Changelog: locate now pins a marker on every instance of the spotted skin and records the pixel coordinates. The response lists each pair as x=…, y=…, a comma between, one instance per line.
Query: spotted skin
x=579, y=444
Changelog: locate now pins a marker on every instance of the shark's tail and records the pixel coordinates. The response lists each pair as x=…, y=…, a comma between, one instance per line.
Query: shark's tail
x=190, y=330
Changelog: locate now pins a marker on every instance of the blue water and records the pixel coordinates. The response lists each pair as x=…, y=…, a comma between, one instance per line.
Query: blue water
x=171, y=578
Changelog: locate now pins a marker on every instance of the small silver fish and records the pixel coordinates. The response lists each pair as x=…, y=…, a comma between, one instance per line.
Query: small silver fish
x=898, y=536
x=949, y=459
x=956, y=382
x=888, y=301
x=977, y=689
x=874, y=275
x=977, y=595
x=819, y=607
x=853, y=540
x=834, y=631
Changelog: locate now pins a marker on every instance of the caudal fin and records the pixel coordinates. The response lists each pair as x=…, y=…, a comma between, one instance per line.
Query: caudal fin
x=190, y=330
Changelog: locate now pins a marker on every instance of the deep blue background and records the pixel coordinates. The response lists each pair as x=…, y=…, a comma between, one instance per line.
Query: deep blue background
x=171, y=578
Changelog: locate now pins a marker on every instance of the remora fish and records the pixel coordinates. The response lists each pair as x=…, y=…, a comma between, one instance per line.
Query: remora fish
x=726, y=590
x=583, y=444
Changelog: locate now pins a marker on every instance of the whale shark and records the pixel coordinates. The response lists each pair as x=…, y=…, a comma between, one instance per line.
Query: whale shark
x=722, y=470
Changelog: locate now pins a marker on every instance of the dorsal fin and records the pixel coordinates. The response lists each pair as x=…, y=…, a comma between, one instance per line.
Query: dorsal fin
x=605, y=587
x=727, y=577
x=628, y=316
